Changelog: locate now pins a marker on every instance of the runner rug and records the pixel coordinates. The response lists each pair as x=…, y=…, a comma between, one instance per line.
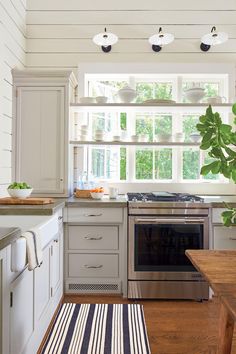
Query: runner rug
x=98, y=329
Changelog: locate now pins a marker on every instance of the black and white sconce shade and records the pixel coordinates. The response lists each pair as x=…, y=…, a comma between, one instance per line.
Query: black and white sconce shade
x=105, y=40
x=160, y=39
x=212, y=38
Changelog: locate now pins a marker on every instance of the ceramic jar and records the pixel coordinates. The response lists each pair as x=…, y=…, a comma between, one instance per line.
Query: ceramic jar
x=127, y=94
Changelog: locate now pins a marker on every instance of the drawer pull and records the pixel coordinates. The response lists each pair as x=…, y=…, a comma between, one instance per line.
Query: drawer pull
x=232, y=238
x=93, y=266
x=88, y=215
x=92, y=238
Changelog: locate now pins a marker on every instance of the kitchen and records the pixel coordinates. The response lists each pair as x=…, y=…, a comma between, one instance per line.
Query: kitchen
x=58, y=139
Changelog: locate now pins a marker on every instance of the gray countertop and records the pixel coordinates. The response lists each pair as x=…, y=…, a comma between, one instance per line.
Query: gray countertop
x=120, y=202
x=8, y=235
x=105, y=202
x=47, y=209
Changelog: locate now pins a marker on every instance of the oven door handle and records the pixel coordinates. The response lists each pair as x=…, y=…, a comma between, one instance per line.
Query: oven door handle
x=169, y=221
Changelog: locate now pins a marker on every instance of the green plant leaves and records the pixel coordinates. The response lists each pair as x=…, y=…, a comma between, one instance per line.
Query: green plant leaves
x=218, y=137
x=228, y=217
x=234, y=108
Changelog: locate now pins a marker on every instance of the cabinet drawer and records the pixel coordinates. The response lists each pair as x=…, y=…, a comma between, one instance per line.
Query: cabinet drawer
x=93, y=237
x=216, y=215
x=224, y=238
x=93, y=265
x=95, y=215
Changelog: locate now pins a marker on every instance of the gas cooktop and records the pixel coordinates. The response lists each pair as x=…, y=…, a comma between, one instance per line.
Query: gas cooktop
x=163, y=197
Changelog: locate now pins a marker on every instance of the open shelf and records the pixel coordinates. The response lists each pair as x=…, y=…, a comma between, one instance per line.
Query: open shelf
x=150, y=105
x=124, y=107
x=131, y=143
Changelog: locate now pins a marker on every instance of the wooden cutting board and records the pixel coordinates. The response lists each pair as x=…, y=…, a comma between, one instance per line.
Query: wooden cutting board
x=25, y=201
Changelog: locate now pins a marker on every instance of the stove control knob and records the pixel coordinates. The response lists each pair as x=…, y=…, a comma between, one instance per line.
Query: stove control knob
x=134, y=199
x=144, y=200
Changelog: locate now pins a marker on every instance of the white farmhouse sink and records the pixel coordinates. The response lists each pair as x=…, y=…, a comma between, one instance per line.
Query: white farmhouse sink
x=47, y=226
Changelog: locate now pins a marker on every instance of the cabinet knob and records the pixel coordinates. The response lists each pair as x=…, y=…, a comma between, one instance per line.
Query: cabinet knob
x=56, y=240
x=60, y=217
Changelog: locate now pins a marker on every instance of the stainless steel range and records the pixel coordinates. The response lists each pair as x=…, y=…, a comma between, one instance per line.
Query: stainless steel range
x=161, y=227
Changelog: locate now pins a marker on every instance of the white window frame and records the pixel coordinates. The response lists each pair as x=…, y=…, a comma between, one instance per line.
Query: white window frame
x=211, y=69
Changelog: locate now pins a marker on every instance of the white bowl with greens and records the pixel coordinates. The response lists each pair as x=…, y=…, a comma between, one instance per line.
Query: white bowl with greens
x=19, y=190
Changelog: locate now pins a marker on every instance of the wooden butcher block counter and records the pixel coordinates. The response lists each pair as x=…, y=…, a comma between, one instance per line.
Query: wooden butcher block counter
x=219, y=269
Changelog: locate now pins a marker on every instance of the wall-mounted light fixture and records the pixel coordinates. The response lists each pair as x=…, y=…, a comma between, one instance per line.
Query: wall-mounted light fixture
x=160, y=39
x=105, y=40
x=212, y=38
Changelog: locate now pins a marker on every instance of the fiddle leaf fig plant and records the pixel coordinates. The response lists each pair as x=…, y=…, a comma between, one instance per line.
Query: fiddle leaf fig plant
x=219, y=139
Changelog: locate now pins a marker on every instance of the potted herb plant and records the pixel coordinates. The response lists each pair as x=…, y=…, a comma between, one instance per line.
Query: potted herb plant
x=219, y=139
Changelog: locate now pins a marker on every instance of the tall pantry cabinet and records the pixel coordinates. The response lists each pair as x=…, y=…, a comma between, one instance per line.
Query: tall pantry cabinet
x=42, y=130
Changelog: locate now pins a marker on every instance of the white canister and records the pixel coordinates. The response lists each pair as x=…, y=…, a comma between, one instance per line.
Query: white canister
x=113, y=192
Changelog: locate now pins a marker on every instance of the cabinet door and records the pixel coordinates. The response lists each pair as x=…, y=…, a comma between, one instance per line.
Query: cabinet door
x=56, y=260
x=42, y=285
x=224, y=238
x=40, y=138
x=22, y=313
x=4, y=304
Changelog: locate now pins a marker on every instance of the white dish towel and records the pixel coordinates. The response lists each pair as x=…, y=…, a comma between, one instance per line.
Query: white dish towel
x=33, y=248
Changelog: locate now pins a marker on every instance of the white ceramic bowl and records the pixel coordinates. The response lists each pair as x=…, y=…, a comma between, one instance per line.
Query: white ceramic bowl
x=163, y=138
x=195, y=137
x=143, y=138
x=98, y=195
x=134, y=138
x=195, y=94
x=116, y=138
x=179, y=137
x=127, y=94
x=101, y=99
x=20, y=193
x=87, y=100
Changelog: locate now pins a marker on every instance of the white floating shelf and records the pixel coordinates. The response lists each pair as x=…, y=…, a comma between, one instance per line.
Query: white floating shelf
x=121, y=107
x=131, y=143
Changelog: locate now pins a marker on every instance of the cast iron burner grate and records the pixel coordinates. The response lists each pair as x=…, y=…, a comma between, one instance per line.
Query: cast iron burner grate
x=164, y=197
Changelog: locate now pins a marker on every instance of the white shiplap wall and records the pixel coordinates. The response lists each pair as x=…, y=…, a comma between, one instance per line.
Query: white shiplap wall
x=12, y=54
x=59, y=32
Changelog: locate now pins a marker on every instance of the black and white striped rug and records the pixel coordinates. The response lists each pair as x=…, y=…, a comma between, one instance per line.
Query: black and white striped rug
x=98, y=329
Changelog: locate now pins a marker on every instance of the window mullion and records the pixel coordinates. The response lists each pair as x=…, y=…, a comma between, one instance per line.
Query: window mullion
x=176, y=153
x=130, y=127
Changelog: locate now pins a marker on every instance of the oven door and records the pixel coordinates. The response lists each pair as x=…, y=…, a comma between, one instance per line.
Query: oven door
x=157, y=246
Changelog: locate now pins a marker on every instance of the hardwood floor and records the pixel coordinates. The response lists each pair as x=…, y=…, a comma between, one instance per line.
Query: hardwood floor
x=174, y=327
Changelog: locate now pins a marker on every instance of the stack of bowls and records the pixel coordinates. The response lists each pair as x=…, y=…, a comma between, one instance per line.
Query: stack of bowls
x=84, y=132
x=99, y=135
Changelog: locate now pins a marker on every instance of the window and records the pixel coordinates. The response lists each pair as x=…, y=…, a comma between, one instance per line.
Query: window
x=163, y=164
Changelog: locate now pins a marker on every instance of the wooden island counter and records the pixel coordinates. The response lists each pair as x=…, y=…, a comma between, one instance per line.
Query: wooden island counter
x=219, y=269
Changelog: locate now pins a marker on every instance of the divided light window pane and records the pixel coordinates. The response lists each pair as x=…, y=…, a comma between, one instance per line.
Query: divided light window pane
x=152, y=163
x=153, y=90
x=191, y=167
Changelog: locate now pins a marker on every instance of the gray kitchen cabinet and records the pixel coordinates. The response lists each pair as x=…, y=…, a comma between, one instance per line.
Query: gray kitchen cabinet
x=42, y=285
x=21, y=312
x=57, y=261
x=96, y=250
x=4, y=303
x=35, y=295
x=42, y=130
x=224, y=238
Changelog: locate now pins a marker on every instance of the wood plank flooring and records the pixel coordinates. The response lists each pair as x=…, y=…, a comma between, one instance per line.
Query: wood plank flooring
x=174, y=327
